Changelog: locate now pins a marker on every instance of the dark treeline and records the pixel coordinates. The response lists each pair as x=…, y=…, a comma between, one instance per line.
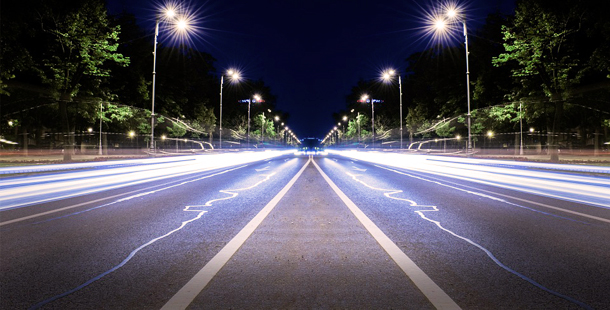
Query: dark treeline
x=63, y=61
x=551, y=58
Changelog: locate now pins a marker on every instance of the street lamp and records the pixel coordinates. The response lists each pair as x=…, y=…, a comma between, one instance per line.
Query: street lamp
x=387, y=75
x=180, y=24
x=285, y=135
x=263, y=126
x=256, y=98
x=441, y=25
x=357, y=121
x=365, y=98
x=520, y=130
x=490, y=134
x=101, y=118
x=234, y=76
x=277, y=132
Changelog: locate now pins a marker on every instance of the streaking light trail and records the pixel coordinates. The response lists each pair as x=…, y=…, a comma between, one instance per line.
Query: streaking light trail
x=535, y=178
x=21, y=192
x=199, y=214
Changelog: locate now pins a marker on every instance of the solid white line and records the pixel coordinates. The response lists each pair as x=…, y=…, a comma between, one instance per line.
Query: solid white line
x=433, y=292
x=188, y=292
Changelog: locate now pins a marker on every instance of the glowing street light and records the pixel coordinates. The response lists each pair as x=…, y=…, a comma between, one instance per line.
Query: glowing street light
x=453, y=14
x=234, y=76
x=365, y=99
x=387, y=75
x=256, y=98
x=101, y=119
x=181, y=25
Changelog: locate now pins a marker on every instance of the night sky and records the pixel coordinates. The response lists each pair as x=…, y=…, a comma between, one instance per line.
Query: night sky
x=311, y=53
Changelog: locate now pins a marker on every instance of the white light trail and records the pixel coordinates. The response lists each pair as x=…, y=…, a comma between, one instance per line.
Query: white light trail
x=24, y=191
x=519, y=176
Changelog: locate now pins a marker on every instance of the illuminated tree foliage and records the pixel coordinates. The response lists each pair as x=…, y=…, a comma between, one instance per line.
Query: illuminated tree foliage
x=79, y=42
x=554, y=48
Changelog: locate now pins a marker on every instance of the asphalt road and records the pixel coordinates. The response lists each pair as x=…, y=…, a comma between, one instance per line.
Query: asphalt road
x=294, y=232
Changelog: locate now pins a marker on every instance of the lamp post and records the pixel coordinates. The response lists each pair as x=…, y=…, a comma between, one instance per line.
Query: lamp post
x=453, y=14
x=180, y=24
x=286, y=135
x=263, y=126
x=357, y=121
x=365, y=98
x=277, y=121
x=490, y=134
x=278, y=132
x=336, y=131
x=387, y=75
x=255, y=98
x=234, y=75
x=520, y=130
x=101, y=117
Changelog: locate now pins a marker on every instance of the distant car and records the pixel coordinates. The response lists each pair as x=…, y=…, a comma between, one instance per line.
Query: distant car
x=311, y=151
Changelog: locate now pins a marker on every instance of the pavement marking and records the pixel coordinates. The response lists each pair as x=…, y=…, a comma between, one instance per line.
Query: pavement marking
x=431, y=290
x=601, y=219
x=183, y=298
x=423, y=208
x=200, y=213
x=118, y=195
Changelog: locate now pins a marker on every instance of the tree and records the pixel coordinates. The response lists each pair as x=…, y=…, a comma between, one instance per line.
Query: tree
x=414, y=120
x=445, y=131
x=79, y=42
x=549, y=45
x=14, y=56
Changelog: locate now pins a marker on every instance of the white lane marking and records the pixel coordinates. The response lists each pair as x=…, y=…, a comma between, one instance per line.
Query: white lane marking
x=115, y=196
x=190, y=290
x=262, y=169
x=358, y=169
x=601, y=219
x=431, y=290
x=389, y=192
x=134, y=252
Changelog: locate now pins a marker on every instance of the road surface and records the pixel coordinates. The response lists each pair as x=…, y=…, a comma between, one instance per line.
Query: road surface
x=293, y=232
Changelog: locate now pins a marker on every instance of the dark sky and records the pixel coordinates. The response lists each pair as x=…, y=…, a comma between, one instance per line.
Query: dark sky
x=311, y=52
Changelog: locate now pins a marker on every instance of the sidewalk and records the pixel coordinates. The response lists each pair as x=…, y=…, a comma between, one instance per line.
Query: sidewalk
x=602, y=160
